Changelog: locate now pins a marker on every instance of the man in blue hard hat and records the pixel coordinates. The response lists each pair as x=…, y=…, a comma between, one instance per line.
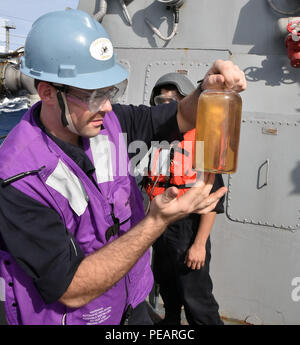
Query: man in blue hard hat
x=74, y=238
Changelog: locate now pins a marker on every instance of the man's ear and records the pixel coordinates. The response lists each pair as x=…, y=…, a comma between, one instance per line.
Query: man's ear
x=47, y=92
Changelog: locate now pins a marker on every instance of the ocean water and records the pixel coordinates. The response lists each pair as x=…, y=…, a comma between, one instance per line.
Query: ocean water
x=11, y=112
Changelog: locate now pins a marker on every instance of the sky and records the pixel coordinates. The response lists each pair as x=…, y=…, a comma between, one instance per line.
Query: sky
x=22, y=13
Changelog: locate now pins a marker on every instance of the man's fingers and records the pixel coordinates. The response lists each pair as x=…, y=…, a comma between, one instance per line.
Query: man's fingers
x=241, y=83
x=229, y=71
x=225, y=74
x=209, y=183
x=203, y=178
x=216, y=81
x=195, y=200
x=203, y=186
x=210, y=202
x=198, y=197
x=170, y=194
x=208, y=209
x=194, y=265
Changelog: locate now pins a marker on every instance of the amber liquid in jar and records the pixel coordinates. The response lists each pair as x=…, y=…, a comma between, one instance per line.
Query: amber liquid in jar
x=218, y=127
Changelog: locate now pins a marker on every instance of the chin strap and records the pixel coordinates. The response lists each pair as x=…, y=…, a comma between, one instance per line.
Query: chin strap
x=62, y=104
x=65, y=113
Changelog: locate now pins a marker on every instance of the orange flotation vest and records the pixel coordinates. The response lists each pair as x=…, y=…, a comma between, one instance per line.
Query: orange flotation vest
x=180, y=174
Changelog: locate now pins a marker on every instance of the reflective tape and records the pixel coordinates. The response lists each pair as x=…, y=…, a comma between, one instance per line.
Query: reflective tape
x=102, y=150
x=65, y=182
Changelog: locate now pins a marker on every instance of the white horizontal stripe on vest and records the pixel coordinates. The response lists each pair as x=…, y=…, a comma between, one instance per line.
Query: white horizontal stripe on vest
x=65, y=182
x=102, y=156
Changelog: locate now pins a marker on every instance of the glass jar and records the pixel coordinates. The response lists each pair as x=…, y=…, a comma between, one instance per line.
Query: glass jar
x=218, y=128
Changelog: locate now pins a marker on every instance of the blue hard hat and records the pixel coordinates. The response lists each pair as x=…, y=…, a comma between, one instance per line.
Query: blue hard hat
x=70, y=47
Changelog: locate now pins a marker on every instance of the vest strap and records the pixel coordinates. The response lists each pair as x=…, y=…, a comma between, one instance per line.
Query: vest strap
x=114, y=229
x=166, y=184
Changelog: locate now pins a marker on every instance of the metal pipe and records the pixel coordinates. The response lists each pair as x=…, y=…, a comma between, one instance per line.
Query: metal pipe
x=15, y=54
x=177, y=3
x=13, y=80
x=126, y=13
x=175, y=27
x=286, y=13
x=7, y=28
x=102, y=11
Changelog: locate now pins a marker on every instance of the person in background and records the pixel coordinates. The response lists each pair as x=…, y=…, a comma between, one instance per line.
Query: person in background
x=181, y=255
x=74, y=238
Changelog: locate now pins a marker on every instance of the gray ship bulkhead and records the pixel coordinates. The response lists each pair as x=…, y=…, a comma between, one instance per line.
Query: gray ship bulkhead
x=255, y=244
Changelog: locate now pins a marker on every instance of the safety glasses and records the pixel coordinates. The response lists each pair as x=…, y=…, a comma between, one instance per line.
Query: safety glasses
x=96, y=99
x=160, y=99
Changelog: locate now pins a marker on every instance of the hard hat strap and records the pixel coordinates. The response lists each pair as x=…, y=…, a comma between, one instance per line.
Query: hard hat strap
x=67, y=116
x=62, y=106
x=65, y=113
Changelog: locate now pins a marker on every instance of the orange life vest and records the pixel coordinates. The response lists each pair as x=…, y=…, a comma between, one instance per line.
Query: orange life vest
x=180, y=174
